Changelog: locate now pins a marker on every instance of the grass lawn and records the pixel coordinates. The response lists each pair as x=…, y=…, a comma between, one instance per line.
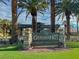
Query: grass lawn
x=68, y=54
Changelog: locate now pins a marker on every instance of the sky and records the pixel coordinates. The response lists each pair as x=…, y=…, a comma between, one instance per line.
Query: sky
x=5, y=13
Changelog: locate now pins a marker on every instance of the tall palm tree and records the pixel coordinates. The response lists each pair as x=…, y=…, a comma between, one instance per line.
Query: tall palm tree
x=67, y=11
x=67, y=7
x=33, y=7
x=14, y=19
x=53, y=10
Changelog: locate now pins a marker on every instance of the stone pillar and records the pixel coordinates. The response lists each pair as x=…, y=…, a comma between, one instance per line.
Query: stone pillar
x=27, y=35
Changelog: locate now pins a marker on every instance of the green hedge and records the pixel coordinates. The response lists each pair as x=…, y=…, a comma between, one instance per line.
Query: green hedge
x=72, y=44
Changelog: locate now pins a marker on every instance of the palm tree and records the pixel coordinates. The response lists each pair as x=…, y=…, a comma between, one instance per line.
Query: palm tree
x=14, y=20
x=67, y=7
x=67, y=11
x=33, y=7
x=53, y=10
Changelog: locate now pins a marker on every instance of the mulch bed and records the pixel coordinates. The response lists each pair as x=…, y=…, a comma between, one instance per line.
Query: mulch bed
x=45, y=49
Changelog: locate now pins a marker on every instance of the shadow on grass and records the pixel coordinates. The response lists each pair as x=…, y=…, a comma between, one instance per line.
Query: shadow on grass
x=11, y=48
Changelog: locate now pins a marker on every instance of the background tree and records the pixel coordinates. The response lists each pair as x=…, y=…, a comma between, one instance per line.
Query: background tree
x=4, y=27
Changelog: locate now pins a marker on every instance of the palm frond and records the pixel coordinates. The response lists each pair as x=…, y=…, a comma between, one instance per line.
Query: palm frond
x=27, y=15
x=4, y=1
x=20, y=12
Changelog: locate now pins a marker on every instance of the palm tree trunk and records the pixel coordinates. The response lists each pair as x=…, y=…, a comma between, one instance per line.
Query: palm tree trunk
x=34, y=23
x=77, y=26
x=34, y=19
x=14, y=19
x=52, y=15
x=67, y=13
x=68, y=28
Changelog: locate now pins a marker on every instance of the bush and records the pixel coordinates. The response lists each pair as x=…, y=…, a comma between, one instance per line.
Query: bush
x=72, y=44
x=19, y=45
